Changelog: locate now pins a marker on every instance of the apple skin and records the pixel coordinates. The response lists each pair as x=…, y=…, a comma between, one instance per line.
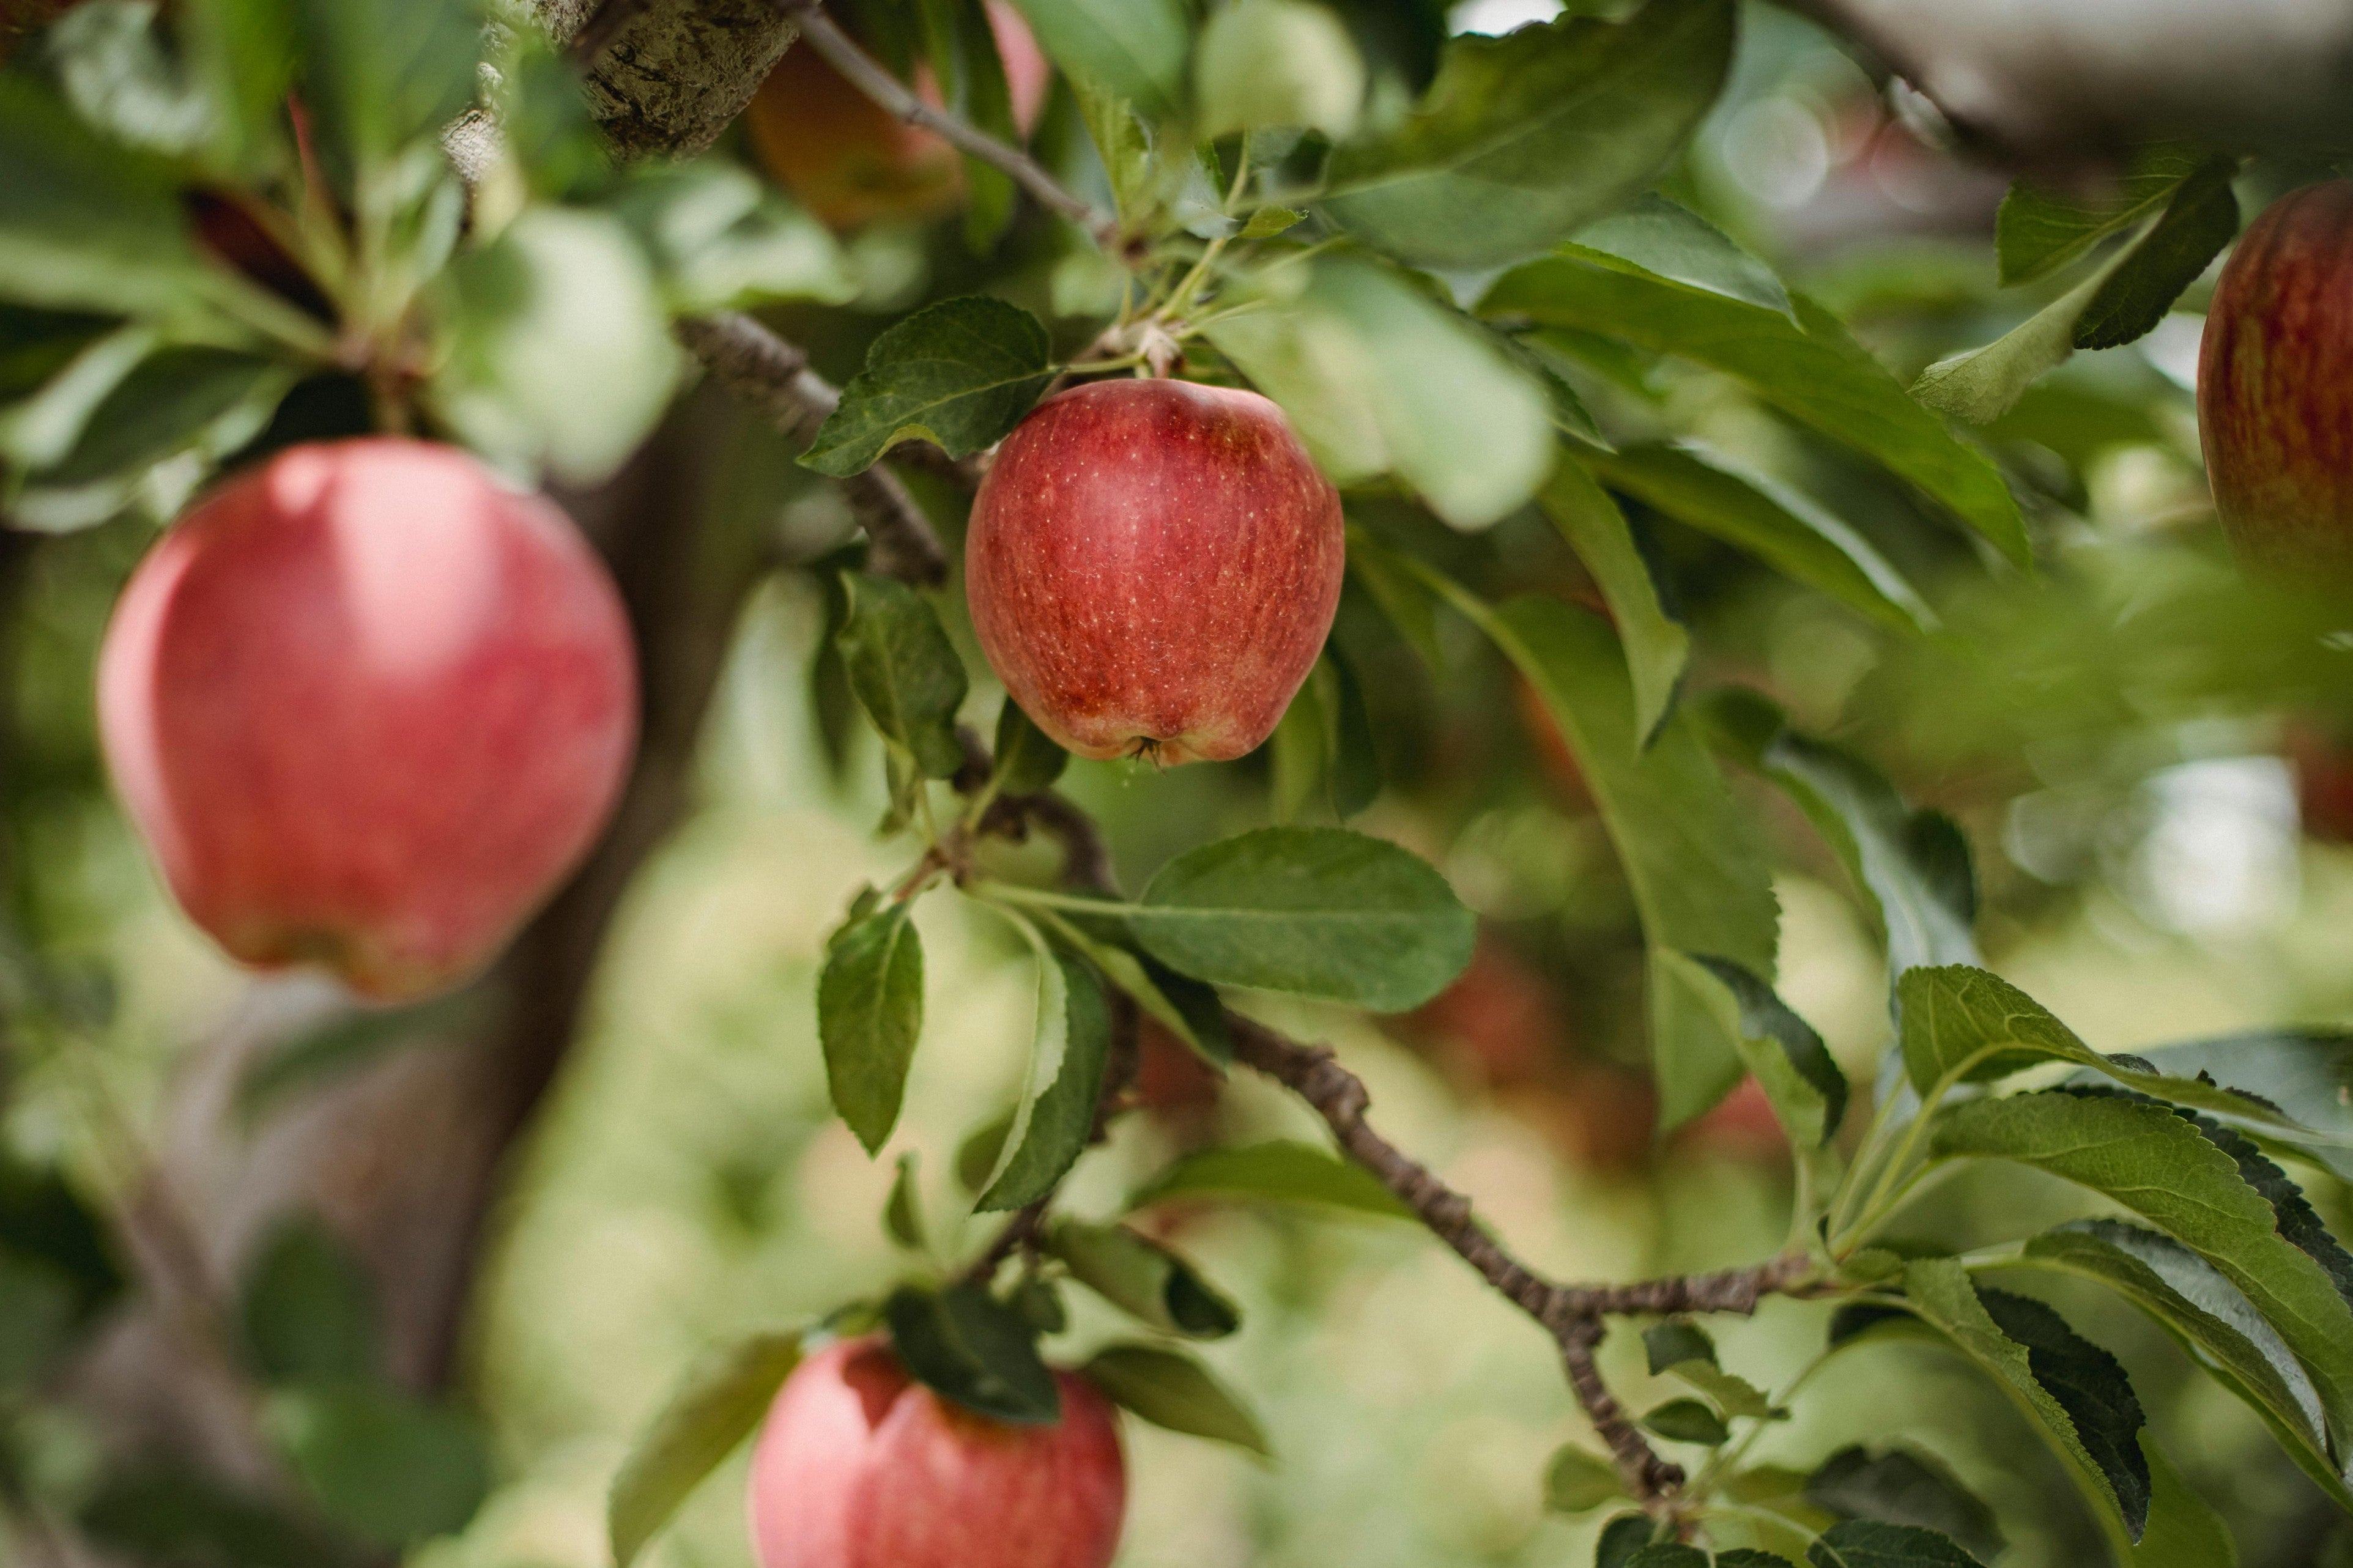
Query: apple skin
x=1153, y=566
x=849, y=160
x=859, y=1466
x=367, y=706
x=2276, y=387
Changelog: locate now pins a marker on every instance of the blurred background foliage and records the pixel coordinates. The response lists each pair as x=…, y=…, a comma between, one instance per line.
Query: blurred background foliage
x=2154, y=766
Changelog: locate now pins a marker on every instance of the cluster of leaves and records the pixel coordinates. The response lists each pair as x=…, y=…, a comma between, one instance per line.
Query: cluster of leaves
x=254, y=201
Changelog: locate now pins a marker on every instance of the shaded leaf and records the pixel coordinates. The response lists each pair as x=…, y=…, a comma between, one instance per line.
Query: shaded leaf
x=721, y=1403
x=1027, y=760
x=1803, y=1081
x=1056, y=1113
x=1897, y=1486
x=1674, y=1340
x=378, y=75
x=1577, y=1480
x=1284, y=1172
x=1657, y=647
x=1687, y=1421
x=2184, y=1530
x=207, y=401
x=962, y=1344
x=1171, y=1389
x=905, y=672
x=960, y=375
x=2040, y=230
x=1655, y=236
x=309, y=1310
x=2202, y=217
x=1621, y=1538
x=902, y=1217
x=870, y=1015
x=2306, y=1073
x=1144, y=1279
x=388, y=1467
x=1135, y=49
x=2090, y=1385
x=1866, y=1543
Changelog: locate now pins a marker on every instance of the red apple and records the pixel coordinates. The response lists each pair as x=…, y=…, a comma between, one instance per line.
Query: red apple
x=849, y=160
x=367, y=706
x=859, y=1466
x=2276, y=387
x=1153, y=566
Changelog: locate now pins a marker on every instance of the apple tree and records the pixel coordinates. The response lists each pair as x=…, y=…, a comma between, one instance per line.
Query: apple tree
x=1235, y=447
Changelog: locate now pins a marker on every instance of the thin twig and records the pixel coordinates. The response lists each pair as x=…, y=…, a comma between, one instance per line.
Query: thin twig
x=866, y=73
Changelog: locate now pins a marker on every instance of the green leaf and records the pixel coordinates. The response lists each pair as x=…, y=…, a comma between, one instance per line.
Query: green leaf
x=1281, y=1172
x=1621, y=1538
x=1674, y=1341
x=961, y=1344
x=1984, y=383
x=1133, y=49
x=1057, y=1110
x=1526, y=138
x=721, y=1403
x=1732, y=1394
x=1655, y=236
x=1668, y=1554
x=2306, y=1073
x=905, y=672
x=1315, y=911
x=1171, y=1389
x=2184, y=1530
x=2040, y=230
x=2155, y=1163
x=1379, y=378
x=2211, y=1319
x=1867, y=1544
x=1657, y=647
x=721, y=240
x=1578, y=1481
x=902, y=1216
x=1027, y=760
x=1912, y=866
x=978, y=1155
x=1688, y=1421
x=556, y=344
x=309, y=1310
x=2202, y=217
x=553, y=138
x=2293, y=1211
x=960, y=375
x=1144, y=1279
x=384, y=1465
x=1940, y=1292
x=36, y=1302
x=961, y=42
x=119, y=77
x=2090, y=1385
x=245, y=52
x=201, y=400
x=1750, y=1557
x=1811, y=369
x=1784, y=529
x=1974, y=1026
x=870, y=1013
x=1187, y=1008
x=1270, y=221
x=1803, y=1081
x=1692, y=856
x=379, y=75
x=1403, y=598
x=1897, y=1486
x=1267, y=63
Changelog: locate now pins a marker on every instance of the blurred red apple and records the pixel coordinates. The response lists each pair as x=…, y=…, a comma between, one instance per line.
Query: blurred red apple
x=367, y=706
x=859, y=1466
x=1153, y=566
x=2322, y=759
x=849, y=160
x=1742, y=1125
x=2276, y=387
x=1170, y=1077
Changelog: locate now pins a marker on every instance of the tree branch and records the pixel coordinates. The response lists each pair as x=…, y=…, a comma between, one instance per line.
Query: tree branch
x=866, y=74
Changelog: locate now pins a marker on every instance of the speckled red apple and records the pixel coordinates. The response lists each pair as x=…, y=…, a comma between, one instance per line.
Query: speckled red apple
x=859, y=1466
x=1152, y=567
x=2276, y=387
x=367, y=706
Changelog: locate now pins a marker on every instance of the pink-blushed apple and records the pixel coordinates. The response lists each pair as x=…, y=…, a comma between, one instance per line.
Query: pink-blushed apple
x=849, y=160
x=859, y=1466
x=1152, y=567
x=2276, y=389
x=367, y=706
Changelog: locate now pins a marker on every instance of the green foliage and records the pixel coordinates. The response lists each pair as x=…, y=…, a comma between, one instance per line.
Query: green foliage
x=1804, y=1082
x=1653, y=235
x=960, y=375
x=966, y=1346
x=719, y=1405
x=1657, y=647
x=1172, y=1389
x=382, y=1464
x=1577, y=1481
x=1135, y=49
x=1027, y=760
x=905, y=673
x=1900, y=1486
x=1278, y=1171
x=1867, y=1544
x=2041, y=230
x=1688, y=1421
x=870, y=1016
x=1057, y=1110
x=1267, y=63
x=307, y=1311
x=1144, y=1279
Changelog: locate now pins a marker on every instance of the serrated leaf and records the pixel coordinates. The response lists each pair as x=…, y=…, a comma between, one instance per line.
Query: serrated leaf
x=1282, y=1172
x=960, y=375
x=870, y=1015
x=1056, y=1113
x=1315, y=911
x=1811, y=369
x=1687, y=1421
x=1144, y=1279
x=1781, y=527
x=1657, y=647
x=1171, y=1389
x=1984, y=383
x=2090, y=1385
x=1027, y=760
x=1867, y=1544
x=1899, y=1487
x=1913, y=865
x=2157, y=1164
x=902, y=1217
x=1526, y=138
x=2306, y=1073
x=719, y=1406
x=1655, y=236
x=2040, y=230
x=963, y=1345
x=1578, y=1481
x=905, y=672
x=1185, y=1007
x=1133, y=49
x=2202, y=217
x=1735, y=1396
x=1621, y=1538
x=1799, y=1077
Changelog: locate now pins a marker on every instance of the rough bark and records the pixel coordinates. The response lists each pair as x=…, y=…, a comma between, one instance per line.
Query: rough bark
x=675, y=72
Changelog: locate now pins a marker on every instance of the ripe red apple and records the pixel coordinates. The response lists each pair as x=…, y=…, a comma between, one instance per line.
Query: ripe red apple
x=1153, y=566
x=849, y=160
x=367, y=706
x=2276, y=387
x=859, y=1466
